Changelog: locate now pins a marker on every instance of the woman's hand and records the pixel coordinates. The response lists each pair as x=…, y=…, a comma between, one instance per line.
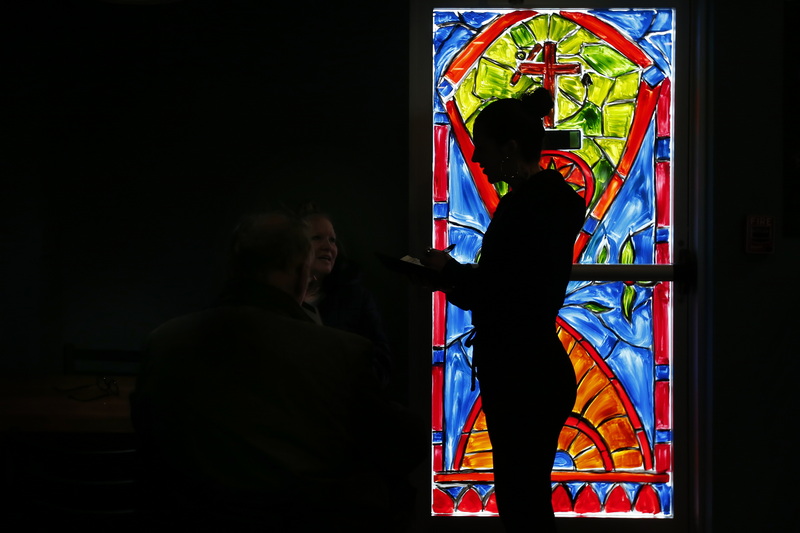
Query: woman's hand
x=435, y=259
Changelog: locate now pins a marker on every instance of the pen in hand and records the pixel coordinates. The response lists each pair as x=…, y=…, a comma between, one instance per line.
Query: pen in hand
x=446, y=250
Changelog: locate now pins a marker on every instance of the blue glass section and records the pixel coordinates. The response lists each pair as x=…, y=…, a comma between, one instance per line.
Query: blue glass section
x=662, y=21
x=662, y=372
x=653, y=76
x=440, y=210
x=476, y=19
x=441, y=35
x=468, y=243
x=448, y=45
x=633, y=367
x=664, y=491
x=590, y=225
x=662, y=235
x=466, y=206
x=664, y=149
x=601, y=489
x=632, y=212
x=458, y=398
x=483, y=490
x=453, y=491
x=664, y=435
x=441, y=18
x=438, y=357
x=436, y=437
x=630, y=489
x=445, y=89
x=440, y=117
x=563, y=461
x=459, y=323
x=632, y=23
x=662, y=42
x=574, y=487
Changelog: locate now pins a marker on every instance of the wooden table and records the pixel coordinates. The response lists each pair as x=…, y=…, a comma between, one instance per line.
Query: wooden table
x=64, y=403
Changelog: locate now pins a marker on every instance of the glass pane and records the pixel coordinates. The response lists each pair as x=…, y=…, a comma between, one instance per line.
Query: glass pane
x=611, y=74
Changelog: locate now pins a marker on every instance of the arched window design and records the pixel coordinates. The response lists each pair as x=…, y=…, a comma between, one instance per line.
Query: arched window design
x=610, y=135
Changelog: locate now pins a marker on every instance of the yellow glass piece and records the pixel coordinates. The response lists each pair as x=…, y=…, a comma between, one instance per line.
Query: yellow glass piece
x=559, y=27
x=539, y=26
x=626, y=87
x=613, y=148
x=607, y=61
x=590, y=153
x=618, y=119
x=466, y=100
x=503, y=50
x=570, y=86
x=493, y=80
x=599, y=90
x=573, y=44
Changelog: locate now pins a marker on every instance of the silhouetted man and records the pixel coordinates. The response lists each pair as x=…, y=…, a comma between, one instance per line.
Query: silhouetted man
x=251, y=413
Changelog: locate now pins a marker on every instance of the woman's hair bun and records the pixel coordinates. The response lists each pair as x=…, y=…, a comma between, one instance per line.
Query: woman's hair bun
x=538, y=103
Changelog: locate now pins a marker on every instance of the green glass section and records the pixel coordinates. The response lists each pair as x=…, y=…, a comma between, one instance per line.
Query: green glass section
x=627, y=254
x=589, y=118
x=602, y=172
x=523, y=36
x=607, y=61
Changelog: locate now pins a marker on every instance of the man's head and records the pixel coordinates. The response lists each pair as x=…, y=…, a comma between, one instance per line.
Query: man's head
x=272, y=248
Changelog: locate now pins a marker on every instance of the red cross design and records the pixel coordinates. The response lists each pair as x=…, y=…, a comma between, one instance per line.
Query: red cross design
x=548, y=69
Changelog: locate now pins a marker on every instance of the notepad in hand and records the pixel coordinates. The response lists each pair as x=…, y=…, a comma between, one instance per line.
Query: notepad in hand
x=413, y=268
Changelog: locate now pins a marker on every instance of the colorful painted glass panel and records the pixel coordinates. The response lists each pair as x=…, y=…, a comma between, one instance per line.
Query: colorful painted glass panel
x=611, y=73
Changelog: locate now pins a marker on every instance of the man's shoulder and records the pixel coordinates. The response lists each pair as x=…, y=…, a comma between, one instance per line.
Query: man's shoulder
x=259, y=325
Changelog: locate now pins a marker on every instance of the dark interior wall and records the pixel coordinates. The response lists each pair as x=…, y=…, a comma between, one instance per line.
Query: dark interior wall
x=754, y=323
x=140, y=133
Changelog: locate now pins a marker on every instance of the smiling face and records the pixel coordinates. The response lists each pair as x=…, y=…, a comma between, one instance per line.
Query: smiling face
x=323, y=244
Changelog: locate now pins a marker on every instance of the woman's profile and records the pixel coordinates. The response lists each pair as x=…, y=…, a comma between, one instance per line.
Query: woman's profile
x=514, y=292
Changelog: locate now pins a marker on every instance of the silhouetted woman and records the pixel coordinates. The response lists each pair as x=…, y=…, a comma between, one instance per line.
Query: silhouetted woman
x=526, y=379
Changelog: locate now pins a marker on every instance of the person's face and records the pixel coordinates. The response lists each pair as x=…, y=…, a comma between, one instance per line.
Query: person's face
x=323, y=244
x=489, y=155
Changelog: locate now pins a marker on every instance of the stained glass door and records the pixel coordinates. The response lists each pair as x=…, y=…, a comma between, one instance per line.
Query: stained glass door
x=611, y=72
